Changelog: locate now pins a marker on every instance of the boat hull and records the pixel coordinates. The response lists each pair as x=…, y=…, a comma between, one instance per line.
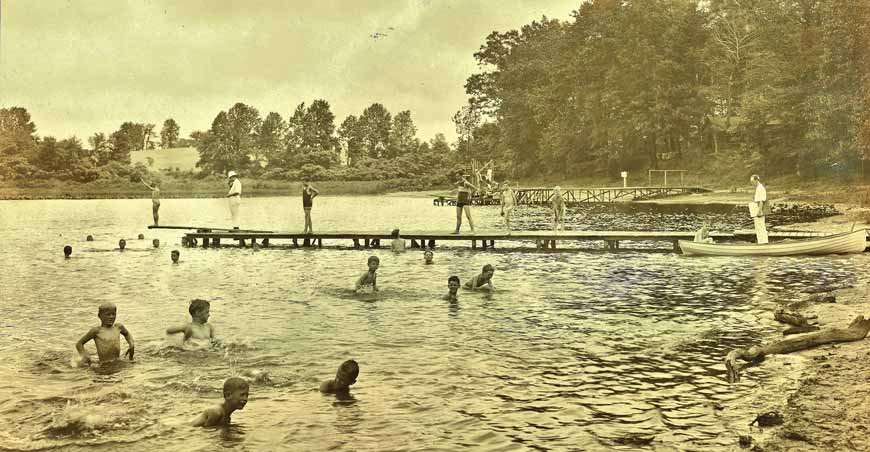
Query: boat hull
x=845, y=243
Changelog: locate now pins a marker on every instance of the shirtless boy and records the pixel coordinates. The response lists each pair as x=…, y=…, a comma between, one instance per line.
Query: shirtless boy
x=453, y=284
x=369, y=278
x=235, y=398
x=107, y=337
x=346, y=376
x=483, y=281
x=198, y=328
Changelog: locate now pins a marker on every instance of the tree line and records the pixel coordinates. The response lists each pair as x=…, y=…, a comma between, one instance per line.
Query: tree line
x=26, y=155
x=770, y=86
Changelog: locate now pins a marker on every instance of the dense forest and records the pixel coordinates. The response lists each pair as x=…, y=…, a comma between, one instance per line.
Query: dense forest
x=771, y=86
x=777, y=87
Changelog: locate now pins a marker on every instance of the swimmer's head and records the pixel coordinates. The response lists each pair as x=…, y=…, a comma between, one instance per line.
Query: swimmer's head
x=428, y=256
x=175, y=255
x=453, y=283
x=488, y=270
x=107, y=313
x=373, y=263
x=141, y=236
x=156, y=243
x=395, y=234
x=199, y=309
x=90, y=238
x=236, y=393
x=347, y=373
x=122, y=243
x=67, y=250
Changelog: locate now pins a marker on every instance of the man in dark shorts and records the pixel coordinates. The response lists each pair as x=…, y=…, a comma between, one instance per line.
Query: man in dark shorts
x=308, y=195
x=463, y=202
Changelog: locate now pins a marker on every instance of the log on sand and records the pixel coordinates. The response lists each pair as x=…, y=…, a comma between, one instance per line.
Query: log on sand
x=856, y=331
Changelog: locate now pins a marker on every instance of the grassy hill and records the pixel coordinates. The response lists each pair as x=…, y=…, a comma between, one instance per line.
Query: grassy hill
x=182, y=158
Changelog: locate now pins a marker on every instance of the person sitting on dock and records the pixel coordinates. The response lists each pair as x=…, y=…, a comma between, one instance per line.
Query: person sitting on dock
x=155, y=200
x=453, y=285
x=308, y=195
x=346, y=376
x=558, y=205
x=198, y=328
x=508, y=203
x=370, y=277
x=463, y=202
x=236, y=391
x=397, y=244
x=703, y=234
x=234, y=197
x=428, y=256
x=483, y=281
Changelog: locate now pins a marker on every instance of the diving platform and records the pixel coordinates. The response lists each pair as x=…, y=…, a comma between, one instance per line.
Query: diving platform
x=576, y=196
x=208, y=237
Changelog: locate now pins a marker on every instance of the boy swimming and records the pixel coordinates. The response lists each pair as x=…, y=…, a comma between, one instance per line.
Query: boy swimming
x=198, y=328
x=67, y=250
x=453, y=284
x=369, y=278
x=483, y=281
x=174, y=256
x=344, y=378
x=428, y=257
x=107, y=337
x=235, y=398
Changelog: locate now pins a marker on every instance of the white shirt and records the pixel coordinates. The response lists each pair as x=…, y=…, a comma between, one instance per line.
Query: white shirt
x=236, y=188
x=760, y=193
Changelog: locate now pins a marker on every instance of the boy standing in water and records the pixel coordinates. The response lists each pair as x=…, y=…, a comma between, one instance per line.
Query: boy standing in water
x=483, y=281
x=155, y=200
x=508, y=202
x=369, y=278
x=344, y=378
x=235, y=398
x=197, y=328
x=452, y=289
x=308, y=195
x=107, y=337
x=558, y=205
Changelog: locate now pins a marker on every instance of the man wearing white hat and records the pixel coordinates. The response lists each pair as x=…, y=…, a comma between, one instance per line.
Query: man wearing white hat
x=234, y=196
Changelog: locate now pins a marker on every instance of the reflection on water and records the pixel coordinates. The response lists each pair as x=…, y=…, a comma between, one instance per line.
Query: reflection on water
x=574, y=350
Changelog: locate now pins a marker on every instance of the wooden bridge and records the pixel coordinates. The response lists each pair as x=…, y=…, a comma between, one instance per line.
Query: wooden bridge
x=575, y=196
x=212, y=237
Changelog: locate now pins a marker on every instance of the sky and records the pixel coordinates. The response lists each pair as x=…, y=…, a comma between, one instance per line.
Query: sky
x=86, y=66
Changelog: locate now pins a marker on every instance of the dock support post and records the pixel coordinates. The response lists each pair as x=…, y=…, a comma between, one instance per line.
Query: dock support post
x=320, y=242
x=376, y=243
x=306, y=242
x=552, y=244
x=474, y=244
x=432, y=243
x=205, y=242
x=484, y=244
x=356, y=244
x=216, y=242
x=492, y=243
x=676, y=246
x=295, y=243
x=414, y=243
x=265, y=243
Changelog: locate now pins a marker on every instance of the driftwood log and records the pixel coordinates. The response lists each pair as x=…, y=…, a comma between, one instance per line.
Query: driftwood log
x=856, y=331
x=791, y=318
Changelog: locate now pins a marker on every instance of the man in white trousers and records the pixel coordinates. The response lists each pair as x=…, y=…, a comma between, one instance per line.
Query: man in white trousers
x=757, y=209
x=234, y=197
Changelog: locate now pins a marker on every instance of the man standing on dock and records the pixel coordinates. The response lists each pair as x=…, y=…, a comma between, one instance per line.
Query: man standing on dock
x=758, y=208
x=234, y=197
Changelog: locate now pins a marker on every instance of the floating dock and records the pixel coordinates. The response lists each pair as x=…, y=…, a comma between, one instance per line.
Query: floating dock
x=576, y=196
x=211, y=237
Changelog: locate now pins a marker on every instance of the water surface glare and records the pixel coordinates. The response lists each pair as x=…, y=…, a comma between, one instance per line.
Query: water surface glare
x=574, y=351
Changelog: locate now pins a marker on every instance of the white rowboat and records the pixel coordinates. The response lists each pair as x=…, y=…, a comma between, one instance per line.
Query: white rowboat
x=844, y=243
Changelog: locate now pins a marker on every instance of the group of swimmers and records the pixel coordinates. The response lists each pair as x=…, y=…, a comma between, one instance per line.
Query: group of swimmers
x=107, y=339
x=122, y=245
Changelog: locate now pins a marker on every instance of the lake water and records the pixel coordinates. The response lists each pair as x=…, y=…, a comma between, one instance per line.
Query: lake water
x=574, y=351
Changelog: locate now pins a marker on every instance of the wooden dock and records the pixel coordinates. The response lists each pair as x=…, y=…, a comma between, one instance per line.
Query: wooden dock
x=480, y=240
x=576, y=196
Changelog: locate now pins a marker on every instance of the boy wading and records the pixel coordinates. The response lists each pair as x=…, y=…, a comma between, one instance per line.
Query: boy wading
x=758, y=208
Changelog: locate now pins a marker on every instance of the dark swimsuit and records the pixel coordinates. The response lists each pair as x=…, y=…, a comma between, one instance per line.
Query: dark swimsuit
x=306, y=199
x=462, y=198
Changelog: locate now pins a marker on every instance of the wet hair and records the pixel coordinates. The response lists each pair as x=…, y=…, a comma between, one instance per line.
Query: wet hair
x=107, y=307
x=156, y=243
x=234, y=384
x=67, y=250
x=141, y=236
x=175, y=253
x=90, y=238
x=453, y=278
x=122, y=243
x=373, y=258
x=428, y=252
x=488, y=267
x=197, y=305
x=395, y=233
x=350, y=367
